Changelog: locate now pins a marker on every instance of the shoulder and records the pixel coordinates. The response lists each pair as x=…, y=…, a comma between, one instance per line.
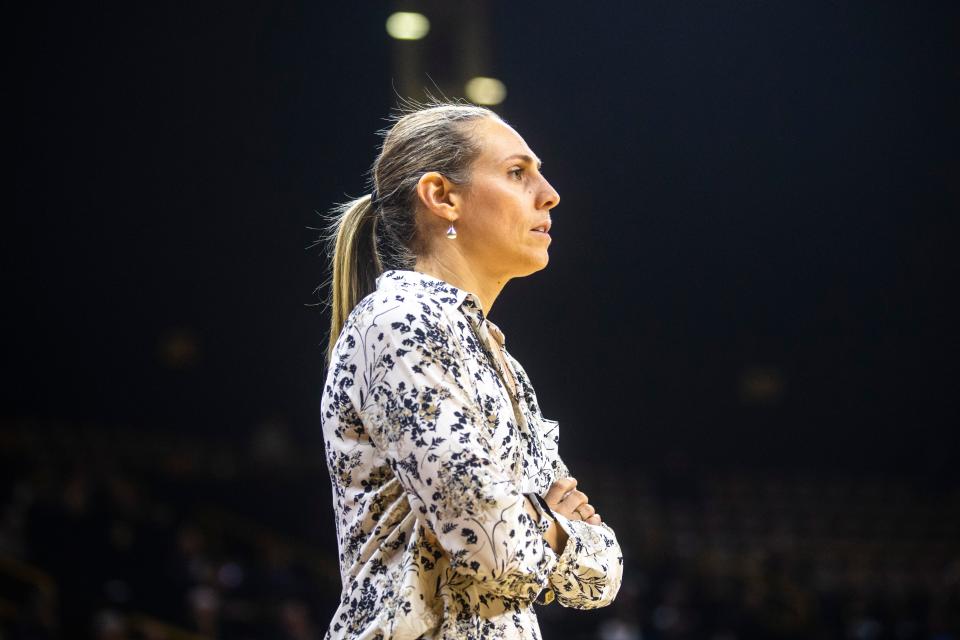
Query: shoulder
x=397, y=316
x=398, y=307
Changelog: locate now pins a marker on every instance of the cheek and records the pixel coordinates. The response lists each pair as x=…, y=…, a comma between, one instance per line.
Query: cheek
x=499, y=221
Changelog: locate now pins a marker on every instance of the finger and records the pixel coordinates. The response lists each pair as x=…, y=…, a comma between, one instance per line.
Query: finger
x=559, y=489
x=594, y=519
x=563, y=486
x=573, y=500
x=586, y=510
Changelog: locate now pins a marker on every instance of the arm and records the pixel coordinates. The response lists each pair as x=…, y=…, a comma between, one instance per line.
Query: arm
x=590, y=569
x=553, y=534
x=415, y=403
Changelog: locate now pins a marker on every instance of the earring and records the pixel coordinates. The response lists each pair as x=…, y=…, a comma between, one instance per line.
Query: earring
x=452, y=233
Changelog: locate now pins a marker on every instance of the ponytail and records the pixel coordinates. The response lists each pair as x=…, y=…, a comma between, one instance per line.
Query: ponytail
x=356, y=263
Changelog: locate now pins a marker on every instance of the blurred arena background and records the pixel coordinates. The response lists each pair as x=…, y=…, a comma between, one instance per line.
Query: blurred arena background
x=747, y=330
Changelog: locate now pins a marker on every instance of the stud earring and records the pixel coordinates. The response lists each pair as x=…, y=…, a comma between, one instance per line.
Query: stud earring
x=452, y=233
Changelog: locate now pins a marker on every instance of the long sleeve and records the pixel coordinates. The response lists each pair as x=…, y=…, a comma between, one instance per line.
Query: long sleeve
x=412, y=394
x=590, y=569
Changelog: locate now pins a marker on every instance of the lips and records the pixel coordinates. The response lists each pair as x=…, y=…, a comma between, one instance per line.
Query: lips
x=543, y=227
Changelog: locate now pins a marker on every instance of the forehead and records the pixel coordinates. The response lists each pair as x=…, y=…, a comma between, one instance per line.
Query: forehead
x=499, y=141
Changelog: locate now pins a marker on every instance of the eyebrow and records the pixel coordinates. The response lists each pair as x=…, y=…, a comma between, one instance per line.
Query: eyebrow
x=525, y=158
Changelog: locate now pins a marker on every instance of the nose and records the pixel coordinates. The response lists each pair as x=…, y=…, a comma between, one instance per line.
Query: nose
x=549, y=198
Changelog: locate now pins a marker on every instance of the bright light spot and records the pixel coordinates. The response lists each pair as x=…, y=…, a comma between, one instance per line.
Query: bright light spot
x=482, y=90
x=404, y=25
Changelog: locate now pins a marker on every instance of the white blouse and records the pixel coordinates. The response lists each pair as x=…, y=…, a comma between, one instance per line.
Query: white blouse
x=430, y=455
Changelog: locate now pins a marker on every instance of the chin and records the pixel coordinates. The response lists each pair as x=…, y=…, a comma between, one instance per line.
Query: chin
x=538, y=263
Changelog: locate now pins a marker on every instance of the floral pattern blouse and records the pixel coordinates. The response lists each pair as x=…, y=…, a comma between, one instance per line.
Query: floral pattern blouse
x=430, y=455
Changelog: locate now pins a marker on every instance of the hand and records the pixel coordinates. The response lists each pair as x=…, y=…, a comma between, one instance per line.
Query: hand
x=564, y=498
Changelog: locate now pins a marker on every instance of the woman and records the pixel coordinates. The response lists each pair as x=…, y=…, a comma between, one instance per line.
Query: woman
x=453, y=508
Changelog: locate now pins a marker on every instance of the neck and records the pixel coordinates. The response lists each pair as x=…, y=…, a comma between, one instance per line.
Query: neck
x=461, y=275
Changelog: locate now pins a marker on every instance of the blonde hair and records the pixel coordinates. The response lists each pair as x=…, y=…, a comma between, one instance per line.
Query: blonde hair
x=378, y=232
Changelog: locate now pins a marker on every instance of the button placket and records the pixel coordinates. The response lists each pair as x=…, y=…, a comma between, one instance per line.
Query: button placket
x=483, y=336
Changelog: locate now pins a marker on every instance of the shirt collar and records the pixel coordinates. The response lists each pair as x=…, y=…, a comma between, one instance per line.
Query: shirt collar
x=443, y=292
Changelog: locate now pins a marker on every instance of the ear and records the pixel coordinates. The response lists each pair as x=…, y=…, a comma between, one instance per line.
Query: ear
x=437, y=195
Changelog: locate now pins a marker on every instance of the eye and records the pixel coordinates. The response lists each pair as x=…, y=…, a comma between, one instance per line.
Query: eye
x=516, y=172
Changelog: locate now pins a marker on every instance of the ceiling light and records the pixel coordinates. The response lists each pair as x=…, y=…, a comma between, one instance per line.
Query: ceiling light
x=406, y=25
x=489, y=91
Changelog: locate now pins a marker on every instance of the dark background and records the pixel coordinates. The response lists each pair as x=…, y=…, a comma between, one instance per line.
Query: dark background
x=753, y=263
x=744, y=185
